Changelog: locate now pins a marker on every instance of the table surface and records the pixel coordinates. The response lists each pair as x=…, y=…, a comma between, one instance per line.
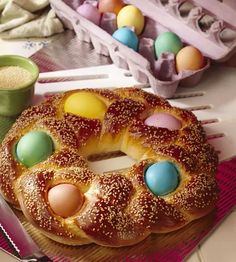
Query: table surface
x=219, y=246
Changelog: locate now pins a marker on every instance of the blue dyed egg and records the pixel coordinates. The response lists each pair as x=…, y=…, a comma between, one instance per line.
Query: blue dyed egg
x=127, y=37
x=162, y=178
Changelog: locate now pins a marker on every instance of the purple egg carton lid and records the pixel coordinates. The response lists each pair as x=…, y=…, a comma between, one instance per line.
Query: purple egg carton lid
x=213, y=40
x=159, y=74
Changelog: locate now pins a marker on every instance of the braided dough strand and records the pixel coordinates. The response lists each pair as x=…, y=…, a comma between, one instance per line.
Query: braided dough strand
x=117, y=208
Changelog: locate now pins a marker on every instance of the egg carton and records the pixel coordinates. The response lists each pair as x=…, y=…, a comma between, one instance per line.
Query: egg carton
x=210, y=36
x=161, y=16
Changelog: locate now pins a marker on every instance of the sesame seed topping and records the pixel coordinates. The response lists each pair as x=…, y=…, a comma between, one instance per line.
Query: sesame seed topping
x=118, y=208
x=120, y=113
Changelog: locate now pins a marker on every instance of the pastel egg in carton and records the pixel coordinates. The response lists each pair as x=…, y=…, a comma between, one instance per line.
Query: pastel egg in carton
x=206, y=25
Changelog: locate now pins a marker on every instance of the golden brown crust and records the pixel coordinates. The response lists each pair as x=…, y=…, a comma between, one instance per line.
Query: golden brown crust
x=118, y=208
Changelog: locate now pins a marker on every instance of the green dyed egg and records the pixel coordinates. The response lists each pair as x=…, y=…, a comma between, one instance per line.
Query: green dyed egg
x=167, y=42
x=34, y=147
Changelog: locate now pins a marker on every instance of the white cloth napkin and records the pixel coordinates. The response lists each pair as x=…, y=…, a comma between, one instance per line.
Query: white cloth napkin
x=27, y=18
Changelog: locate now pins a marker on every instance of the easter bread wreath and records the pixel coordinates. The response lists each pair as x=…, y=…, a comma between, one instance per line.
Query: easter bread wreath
x=44, y=169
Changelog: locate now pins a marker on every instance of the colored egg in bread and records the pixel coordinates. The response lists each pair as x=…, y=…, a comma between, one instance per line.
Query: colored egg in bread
x=34, y=147
x=162, y=178
x=127, y=37
x=85, y=105
x=90, y=12
x=65, y=199
x=110, y=6
x=131, y=16
x=167, y=42
x=164, y=120
x=189, y=58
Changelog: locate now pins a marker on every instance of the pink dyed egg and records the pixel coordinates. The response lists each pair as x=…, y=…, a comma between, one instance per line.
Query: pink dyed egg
x=164, y=120
x=74, y=3
x=65, y=199
x=90, y=12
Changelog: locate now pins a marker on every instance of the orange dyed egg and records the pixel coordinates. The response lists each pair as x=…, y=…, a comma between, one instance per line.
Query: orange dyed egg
x=189, y=58
x=110, y=6
x=65, y=199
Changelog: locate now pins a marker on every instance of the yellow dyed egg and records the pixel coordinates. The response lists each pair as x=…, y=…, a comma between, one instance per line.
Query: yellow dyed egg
x=85, y=105
x=131, y=16
x=189, y=58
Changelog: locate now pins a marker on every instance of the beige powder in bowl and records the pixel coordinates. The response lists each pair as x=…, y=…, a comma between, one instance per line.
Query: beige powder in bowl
x=14, y=77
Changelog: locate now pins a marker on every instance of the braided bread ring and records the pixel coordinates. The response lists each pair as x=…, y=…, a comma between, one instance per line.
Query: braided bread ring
x=118, y=209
